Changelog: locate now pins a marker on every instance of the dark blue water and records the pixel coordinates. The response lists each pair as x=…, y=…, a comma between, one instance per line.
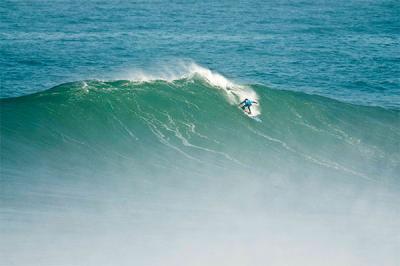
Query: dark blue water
x=348, y=50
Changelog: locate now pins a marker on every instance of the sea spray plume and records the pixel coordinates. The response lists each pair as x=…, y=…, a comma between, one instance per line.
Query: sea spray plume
x=233, y=92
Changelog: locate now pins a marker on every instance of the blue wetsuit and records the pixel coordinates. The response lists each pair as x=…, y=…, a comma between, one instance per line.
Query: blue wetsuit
x=247, y=103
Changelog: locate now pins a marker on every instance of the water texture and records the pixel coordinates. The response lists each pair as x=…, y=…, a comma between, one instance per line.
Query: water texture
x=346, y=50
x=122, y=143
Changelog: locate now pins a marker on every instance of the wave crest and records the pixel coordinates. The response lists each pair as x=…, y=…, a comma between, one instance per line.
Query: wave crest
x=234, y=92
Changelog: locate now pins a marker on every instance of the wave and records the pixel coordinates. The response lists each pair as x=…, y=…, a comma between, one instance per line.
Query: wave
x=196, y=116
x=174, y=160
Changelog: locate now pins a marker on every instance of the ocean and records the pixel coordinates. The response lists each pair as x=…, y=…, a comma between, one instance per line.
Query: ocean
x=122, y=143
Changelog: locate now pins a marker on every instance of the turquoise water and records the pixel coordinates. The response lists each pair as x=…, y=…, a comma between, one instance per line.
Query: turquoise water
x=344, y=49
x=122, y=142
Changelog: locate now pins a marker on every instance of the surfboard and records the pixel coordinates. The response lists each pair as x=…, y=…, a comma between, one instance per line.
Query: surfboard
x=251, y=115
x=256, y=118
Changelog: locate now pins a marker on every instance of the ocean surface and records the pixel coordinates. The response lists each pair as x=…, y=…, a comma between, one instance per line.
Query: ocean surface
x=121, y=142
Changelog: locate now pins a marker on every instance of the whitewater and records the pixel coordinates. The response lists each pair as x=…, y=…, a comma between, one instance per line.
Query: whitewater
x=163, y=168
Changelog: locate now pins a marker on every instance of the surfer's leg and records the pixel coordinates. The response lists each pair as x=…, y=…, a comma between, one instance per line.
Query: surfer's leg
x=249, y=109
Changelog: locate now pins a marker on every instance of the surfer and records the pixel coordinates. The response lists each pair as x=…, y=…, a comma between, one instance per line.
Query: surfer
x=247, y=103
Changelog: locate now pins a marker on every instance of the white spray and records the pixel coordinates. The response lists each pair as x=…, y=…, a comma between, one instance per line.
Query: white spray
x=234, y=93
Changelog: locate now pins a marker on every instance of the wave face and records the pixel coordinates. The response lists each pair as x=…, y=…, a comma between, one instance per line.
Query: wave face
x=172, y=172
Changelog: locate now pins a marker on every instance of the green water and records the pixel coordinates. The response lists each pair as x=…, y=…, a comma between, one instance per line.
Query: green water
x=190, y=120
x=178, y=162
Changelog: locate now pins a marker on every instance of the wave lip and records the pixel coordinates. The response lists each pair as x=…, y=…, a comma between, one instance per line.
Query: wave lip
x=235, y=93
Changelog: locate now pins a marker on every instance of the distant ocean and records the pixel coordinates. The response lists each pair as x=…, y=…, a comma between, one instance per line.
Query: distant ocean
x=121, y=142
